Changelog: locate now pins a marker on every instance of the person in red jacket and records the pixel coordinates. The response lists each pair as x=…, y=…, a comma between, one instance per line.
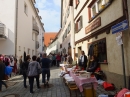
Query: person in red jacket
x=58, y=59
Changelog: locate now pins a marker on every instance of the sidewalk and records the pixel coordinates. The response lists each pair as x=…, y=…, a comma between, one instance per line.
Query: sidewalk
x=57, y=87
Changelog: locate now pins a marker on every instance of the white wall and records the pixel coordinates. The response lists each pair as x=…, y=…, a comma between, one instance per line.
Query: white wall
x=25, y=29
x=7, y=17
x=52, y=48
x=69, y=38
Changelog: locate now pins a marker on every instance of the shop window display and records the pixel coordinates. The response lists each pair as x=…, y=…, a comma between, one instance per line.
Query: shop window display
x=98, y=49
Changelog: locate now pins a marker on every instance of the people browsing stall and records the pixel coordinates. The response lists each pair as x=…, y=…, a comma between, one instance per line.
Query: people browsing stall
x=33, y=73
x=93, y=64
x=69, y=59
x=83, y=61
x=45, y=70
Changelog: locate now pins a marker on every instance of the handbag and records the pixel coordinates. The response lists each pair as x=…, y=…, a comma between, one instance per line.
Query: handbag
x=8, y=70
x=108, y=86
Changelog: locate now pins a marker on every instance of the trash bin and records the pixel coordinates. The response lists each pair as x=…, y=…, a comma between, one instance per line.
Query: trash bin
x=88, y=90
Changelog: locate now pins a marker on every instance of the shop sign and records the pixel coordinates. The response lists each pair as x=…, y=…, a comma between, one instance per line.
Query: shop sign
x=95, y=24
x=120, y=27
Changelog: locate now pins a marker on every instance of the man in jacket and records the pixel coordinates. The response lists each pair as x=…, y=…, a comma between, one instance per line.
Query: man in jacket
x=83, y=61
x=45, y=70
x=33, y=68
x=24, y=69
x=2, y=73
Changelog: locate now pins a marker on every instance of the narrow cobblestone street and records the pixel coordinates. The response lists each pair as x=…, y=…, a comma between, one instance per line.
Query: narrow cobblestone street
x=57, y=87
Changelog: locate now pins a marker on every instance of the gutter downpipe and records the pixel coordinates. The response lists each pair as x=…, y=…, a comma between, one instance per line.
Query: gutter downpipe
x=16, y=25
x=73, y=31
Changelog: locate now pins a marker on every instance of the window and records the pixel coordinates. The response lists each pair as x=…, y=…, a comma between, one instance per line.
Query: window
x=99, y=4
x=65, y=19
x=65, y=33
x=78, y=25
x=63, y=38
x=32, y=52
x=33, y=36
x=69, y=27
x=19, y=48
x=68, y=12
x=25, y=8
x=28, y=51
x=76, y=3
x=96, y=7
x=93, y=11
x=98, y=49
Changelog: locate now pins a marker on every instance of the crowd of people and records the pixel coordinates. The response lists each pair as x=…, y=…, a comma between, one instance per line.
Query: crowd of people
x=56, y=59
x=31, y=68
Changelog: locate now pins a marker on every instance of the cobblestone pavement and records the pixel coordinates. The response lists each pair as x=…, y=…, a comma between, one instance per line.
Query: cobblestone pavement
x=57, y=87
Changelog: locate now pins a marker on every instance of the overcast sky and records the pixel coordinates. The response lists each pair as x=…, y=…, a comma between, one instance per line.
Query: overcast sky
x=49, y=10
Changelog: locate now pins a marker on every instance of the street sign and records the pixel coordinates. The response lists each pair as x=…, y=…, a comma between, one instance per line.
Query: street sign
x=120, y=27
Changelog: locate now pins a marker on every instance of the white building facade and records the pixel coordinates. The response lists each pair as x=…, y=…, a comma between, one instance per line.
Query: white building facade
x=66, y=37
x=23, y=30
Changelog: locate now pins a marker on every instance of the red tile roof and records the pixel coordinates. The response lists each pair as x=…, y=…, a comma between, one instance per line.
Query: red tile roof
x=48, y=36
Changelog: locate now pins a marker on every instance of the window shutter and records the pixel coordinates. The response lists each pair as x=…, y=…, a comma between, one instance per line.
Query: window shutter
x=77, y=2
x=81, y=22
x=70, y=26
x=76, y=26
x=89, y=13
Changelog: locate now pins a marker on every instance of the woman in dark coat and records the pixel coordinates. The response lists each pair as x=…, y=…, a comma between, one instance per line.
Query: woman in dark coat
x=93, y=64
x=2, y=73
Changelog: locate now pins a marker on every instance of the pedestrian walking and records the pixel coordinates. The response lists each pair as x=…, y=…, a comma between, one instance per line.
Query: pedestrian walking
x=53, y=60
x=45, y=70
x=58, y=59
x=24, y=69
x=2, y=74
x=20, y=65
x=33, y=73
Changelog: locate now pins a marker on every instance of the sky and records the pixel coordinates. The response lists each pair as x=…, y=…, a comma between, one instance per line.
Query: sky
x=49, y=10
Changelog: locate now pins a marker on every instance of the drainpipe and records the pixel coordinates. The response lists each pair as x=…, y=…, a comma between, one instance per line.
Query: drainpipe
x=72, y=31
x=16, y=29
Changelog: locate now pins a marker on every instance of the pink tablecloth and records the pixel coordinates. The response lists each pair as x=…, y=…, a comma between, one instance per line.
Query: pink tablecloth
x=80, y=81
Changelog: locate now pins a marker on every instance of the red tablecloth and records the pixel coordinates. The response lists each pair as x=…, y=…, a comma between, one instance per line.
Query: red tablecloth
x=81, y=80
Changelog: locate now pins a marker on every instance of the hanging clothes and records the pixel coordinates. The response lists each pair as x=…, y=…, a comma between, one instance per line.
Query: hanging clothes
x=90, y=51
x=95, y=50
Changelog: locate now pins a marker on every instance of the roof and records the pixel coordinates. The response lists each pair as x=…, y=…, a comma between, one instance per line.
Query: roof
x=48, y=36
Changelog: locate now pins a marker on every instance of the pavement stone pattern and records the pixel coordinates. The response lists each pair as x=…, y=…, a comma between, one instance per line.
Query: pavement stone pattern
x=57, y=87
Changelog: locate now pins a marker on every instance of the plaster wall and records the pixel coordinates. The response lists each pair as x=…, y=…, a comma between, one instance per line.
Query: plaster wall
x=7, y=17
